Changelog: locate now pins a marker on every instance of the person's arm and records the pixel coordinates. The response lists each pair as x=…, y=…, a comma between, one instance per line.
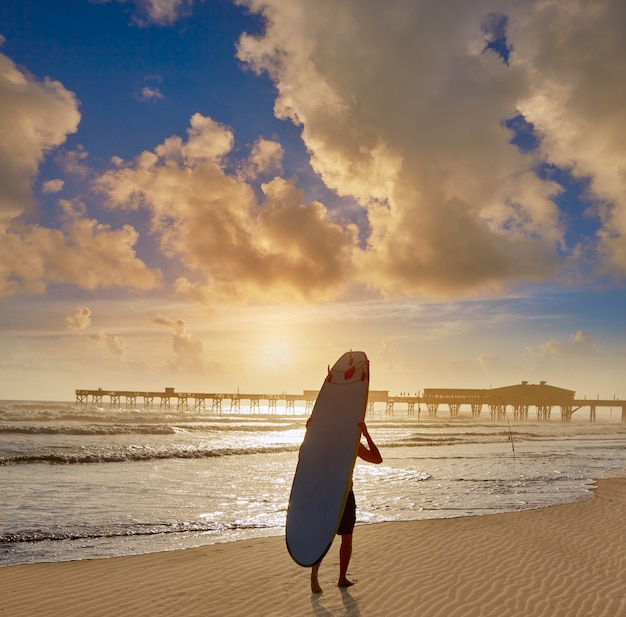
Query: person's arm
x=371, y=454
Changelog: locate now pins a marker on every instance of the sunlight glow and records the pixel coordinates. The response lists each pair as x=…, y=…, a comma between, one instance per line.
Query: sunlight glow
x=275, y=351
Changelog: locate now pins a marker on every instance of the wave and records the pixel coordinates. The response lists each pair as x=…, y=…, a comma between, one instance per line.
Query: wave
x=42, y=535
x=11, y=411
x=88, y=429
x=125, y=425
x=133, y=454
x=447, y=439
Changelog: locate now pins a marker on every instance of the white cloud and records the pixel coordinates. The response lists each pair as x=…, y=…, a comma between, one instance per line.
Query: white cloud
x=165, y=11
x=159, y=12
x=53, y=186
x=150, y=94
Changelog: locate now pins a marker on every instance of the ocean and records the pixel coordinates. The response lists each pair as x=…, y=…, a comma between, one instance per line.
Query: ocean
x=83, y=483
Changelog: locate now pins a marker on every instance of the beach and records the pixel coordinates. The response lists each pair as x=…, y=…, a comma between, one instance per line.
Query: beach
x=561, y=561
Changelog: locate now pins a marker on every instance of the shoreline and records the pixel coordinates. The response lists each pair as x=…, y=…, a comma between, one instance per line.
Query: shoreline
x=566, y=560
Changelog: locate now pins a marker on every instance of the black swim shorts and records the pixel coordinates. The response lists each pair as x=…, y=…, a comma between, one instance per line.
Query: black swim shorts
x=348, y=518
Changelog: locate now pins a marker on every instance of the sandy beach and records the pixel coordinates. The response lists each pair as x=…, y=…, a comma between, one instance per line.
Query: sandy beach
x=562, y=561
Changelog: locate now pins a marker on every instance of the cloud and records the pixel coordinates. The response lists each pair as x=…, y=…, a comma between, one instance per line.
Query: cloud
x=150, y=94
x=496, y=370
x=581, y=346
x=406, y=109
x=387, y=356
x=115, y=344
x=35, y=117
x=81, y=320
x=74, y=162
x=577, y=102
x=53, y=186
x=82, y=252
x=159, y=12
x=488, y=361
x=189, y=353
x=571, y=361
x=404, y=106
x=265, y=159
x=165, y=11
x=231, y=246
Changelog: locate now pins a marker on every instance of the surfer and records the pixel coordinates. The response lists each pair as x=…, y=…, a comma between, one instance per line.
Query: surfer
x=371, y=454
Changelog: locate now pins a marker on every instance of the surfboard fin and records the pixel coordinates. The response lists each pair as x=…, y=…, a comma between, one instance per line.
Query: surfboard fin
x=365, y=371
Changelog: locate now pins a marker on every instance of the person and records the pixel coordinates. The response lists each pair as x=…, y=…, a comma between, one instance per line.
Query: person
x=371, y=454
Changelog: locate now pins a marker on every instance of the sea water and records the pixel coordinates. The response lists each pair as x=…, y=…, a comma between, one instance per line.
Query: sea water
x=81, y=483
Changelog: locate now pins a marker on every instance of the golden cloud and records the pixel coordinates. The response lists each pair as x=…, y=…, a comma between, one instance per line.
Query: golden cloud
x=115, y=344
x=35, y=117
x=404, y=107
x=232, y=246
x=188, y=352
x=79, y=320
x=83, y=252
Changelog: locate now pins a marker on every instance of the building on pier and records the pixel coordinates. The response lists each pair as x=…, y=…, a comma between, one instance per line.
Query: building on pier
x=519, y=397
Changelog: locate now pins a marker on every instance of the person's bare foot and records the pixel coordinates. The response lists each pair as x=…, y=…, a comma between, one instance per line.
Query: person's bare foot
x=345, y=583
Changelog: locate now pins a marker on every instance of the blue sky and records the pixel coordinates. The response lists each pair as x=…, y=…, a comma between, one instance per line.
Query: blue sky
x=224, y=194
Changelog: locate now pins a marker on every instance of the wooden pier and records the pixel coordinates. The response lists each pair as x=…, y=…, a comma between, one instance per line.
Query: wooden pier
x=170, y=400
x=519, y=399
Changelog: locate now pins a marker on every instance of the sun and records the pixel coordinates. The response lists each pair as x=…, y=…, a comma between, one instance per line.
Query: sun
x=276, y=351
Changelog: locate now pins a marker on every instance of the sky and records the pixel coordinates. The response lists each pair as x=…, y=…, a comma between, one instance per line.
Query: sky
x=223, y=195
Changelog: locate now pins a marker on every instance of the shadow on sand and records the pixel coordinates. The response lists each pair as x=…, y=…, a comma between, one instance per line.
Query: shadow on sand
x=349, y=607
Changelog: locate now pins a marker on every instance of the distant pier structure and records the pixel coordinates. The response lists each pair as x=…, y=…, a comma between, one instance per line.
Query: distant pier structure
x=170, y=400
x=519, y=399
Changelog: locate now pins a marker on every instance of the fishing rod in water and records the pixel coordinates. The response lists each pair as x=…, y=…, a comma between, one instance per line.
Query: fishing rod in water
x=506, y=415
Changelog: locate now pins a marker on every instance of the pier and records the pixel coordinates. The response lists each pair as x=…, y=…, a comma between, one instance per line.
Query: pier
x=518, y=402
x=520, y=399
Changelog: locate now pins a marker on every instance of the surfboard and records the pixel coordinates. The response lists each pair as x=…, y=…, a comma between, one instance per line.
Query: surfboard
x=323, y=474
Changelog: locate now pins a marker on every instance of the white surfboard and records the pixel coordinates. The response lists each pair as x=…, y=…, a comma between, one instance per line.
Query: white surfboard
x=324, y=472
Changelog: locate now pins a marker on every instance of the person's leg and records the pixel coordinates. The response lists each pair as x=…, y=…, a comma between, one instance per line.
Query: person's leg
x=345, y=552
x=315, y=585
